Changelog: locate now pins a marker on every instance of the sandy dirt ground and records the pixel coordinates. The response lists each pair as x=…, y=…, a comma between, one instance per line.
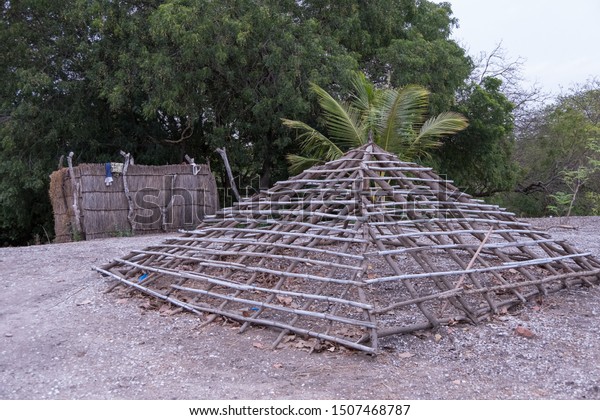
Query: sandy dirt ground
x=63, y=337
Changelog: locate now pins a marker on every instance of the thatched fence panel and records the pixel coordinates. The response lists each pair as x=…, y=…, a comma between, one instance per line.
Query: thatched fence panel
x=164, y=198
x=63, y=212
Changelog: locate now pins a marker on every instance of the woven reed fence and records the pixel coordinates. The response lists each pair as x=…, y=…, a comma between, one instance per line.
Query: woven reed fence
x=142, y=199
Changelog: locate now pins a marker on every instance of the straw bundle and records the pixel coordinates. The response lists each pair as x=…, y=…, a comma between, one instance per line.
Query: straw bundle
x=60, y=189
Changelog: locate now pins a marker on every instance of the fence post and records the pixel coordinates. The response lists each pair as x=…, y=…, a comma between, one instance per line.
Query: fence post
x=75, y=187
x=128, y=158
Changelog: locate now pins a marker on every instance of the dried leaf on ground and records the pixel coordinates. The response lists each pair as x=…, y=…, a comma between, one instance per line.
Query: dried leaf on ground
x=285, y=300
x=147, y=304
x=524, y=332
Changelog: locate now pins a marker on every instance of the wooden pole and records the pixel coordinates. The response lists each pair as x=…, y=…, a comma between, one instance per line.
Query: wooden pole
x=223, y=153
x=130, y=216
x=75, y=188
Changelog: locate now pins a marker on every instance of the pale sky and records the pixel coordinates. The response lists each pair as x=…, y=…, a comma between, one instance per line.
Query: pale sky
x=559, y=39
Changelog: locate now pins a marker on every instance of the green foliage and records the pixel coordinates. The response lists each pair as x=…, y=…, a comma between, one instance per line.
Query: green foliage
x=121, y=233
x=49, y=105
x=399, y=42
x=479, y=159
x=76, y=235
x=392, y=118
x=162, y=78
x=562, y=203
x=575, y=180
x=560, y=156
x=37, y=110
x=523, y=205
x=223, y=73
x=592, y=201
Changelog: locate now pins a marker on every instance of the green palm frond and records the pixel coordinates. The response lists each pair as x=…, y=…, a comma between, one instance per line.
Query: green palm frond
x=399, y=112
x=342, y=120
x=364, y=94
x=435, y=128
x=299, y=163
x=315, y=147
x=444, y=124
x=396, y=117
x=313, y=142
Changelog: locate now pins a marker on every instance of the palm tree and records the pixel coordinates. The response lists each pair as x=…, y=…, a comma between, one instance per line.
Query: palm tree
x=392, y=118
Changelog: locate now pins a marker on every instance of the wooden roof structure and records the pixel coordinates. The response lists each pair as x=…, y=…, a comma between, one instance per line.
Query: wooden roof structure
x=357, y=249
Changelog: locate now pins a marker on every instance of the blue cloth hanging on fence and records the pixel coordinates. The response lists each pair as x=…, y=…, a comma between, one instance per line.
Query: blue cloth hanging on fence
x=109, y=179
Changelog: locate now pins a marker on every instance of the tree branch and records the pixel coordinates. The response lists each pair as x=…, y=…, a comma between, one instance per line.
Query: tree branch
x=187, y=132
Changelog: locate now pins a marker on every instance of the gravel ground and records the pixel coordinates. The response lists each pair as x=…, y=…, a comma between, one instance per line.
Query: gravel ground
x=62, y=337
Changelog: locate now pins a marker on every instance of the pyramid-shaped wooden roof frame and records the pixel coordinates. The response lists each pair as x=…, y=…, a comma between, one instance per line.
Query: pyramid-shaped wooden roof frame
x=354, y=250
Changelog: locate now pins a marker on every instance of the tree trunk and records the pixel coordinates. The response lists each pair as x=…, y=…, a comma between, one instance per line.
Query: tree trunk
x=265, y=176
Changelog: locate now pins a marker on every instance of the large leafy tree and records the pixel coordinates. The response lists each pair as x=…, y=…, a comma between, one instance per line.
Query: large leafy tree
x=156, y=78
x=224, y=73
x=400, y=42
x=50, y=104
x=42, y=61
x=559, y=155
x=395, y=119
x=480, y=158
x=161, y=78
